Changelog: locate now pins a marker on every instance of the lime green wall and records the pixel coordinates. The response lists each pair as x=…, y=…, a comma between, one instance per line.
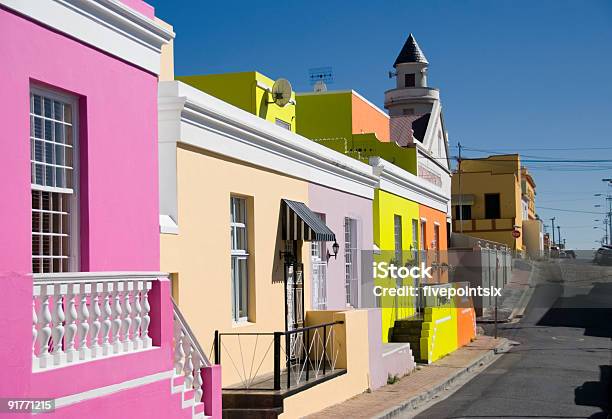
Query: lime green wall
x=386, y=206
x=241, y=90
x=327, y=119
x=325, y=116
x=439, y=332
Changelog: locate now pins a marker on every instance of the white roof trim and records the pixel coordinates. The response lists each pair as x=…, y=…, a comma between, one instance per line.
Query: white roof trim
x=167, y=225
x=108, y=25
x=400, y=182
x=190, y=116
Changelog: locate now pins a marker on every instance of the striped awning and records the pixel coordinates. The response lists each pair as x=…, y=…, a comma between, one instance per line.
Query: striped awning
x=300, y=223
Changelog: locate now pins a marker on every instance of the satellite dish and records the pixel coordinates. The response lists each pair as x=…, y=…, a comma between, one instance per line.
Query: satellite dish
x=281, y=92
x=320, y=86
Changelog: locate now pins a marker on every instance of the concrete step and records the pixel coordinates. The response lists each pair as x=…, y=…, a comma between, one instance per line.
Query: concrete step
x=271, y=413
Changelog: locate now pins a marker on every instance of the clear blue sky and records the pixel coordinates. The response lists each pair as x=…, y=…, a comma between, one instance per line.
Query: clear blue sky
x=514, y=75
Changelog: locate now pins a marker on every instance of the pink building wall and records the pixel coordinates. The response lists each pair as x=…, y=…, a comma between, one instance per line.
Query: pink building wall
x=118, y=115
x=336, y=205
x=118, y=196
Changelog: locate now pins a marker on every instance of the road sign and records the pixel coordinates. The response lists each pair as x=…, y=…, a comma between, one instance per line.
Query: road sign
x=516, y=234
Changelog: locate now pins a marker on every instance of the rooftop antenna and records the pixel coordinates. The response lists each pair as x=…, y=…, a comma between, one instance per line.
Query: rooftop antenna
x=320, y=77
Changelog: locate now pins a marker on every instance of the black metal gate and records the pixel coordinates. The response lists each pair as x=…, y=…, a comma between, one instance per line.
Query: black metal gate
x=294, y=306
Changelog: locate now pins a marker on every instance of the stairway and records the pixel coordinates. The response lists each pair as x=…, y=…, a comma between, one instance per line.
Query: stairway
x=187, y=397
x=409, y=330
x=241, y=405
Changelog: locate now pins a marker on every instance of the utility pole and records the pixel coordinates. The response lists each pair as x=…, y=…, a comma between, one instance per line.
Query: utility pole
x=553, y=230
x=559, y=235
x=609, y=199
x=460, y=195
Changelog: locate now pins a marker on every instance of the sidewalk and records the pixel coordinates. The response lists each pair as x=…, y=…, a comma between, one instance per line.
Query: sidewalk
x=418, y=387
x=515, y=295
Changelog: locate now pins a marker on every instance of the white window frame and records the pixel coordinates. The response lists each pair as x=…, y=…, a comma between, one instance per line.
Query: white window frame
x=236, y=255
x=398, y=252
x=74, y=235
x=351, y=271
x=318, y=272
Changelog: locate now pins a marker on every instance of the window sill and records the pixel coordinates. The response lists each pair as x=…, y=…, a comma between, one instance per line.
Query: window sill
x=242, y=323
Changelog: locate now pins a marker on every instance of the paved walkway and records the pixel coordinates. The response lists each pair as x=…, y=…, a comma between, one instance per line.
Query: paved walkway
x=512, y=294
x=418, y=386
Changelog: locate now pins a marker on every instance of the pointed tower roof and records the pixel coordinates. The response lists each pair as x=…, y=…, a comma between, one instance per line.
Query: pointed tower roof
x=410, y=53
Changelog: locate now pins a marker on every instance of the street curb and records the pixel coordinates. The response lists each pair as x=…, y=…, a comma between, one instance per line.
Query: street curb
x=414, y=402
x=519, y=310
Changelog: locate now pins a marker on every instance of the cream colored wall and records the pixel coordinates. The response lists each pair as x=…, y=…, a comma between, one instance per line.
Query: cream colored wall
x=166, y=71
x=353, y=334
x=200, y=253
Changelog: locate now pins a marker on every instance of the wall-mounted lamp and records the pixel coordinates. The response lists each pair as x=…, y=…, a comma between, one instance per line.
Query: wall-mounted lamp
x=335, y=249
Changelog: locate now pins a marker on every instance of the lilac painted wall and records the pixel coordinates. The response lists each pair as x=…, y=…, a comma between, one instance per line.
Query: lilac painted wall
x=336, y=205
x=118, y=193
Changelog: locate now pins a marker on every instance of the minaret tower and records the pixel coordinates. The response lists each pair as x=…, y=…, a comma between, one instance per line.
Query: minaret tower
x=411, y=95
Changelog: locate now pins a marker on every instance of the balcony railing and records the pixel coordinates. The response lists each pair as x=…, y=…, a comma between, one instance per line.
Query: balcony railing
x=83, y=316
x=189, y=358
x=300, y=357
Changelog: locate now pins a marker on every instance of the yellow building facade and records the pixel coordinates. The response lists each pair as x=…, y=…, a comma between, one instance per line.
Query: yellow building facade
x=486, y=198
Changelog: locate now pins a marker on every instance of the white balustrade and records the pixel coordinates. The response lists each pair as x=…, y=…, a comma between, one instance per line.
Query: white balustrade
x=79, y=317
x=189, y=358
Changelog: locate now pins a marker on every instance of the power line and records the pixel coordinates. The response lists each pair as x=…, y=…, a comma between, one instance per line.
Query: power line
x=544, y=149
x=568, y=210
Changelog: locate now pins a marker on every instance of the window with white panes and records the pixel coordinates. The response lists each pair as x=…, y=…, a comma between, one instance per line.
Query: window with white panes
x=53, y=159
x=350, y=262
x=240, y=258
x=397, y=235
x=318, y=258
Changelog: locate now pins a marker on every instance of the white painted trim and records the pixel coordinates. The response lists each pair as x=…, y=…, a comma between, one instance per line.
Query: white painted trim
x=263, y=86
x=443, y=319
x=424, y=219
x=108, y=25
x=190, y=116
x=96, y=276
x=167, y=225
x=75, y=198
x=400, y=182
x=436, y=223
x=113, y=388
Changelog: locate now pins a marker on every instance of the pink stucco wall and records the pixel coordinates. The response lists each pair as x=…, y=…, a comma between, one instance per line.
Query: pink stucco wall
x=336, y=205
x=141, y=7
x=118, y=194
x=118, y=188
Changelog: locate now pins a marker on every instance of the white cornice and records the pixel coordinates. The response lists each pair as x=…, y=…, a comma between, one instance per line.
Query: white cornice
x=189, y=116
x=399, y=182
x=108, y=25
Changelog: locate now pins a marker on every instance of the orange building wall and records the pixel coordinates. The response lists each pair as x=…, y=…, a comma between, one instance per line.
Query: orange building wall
x=466, y=318
x=432, y=217
x=368, y=119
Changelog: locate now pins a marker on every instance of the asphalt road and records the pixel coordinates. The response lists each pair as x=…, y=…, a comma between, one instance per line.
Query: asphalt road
x=563, y=365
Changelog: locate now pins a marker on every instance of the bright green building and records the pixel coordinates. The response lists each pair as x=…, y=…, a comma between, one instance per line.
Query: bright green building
x=250, y=91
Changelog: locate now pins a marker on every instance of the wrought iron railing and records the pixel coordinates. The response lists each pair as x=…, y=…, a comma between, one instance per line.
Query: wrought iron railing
x=297, y=356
